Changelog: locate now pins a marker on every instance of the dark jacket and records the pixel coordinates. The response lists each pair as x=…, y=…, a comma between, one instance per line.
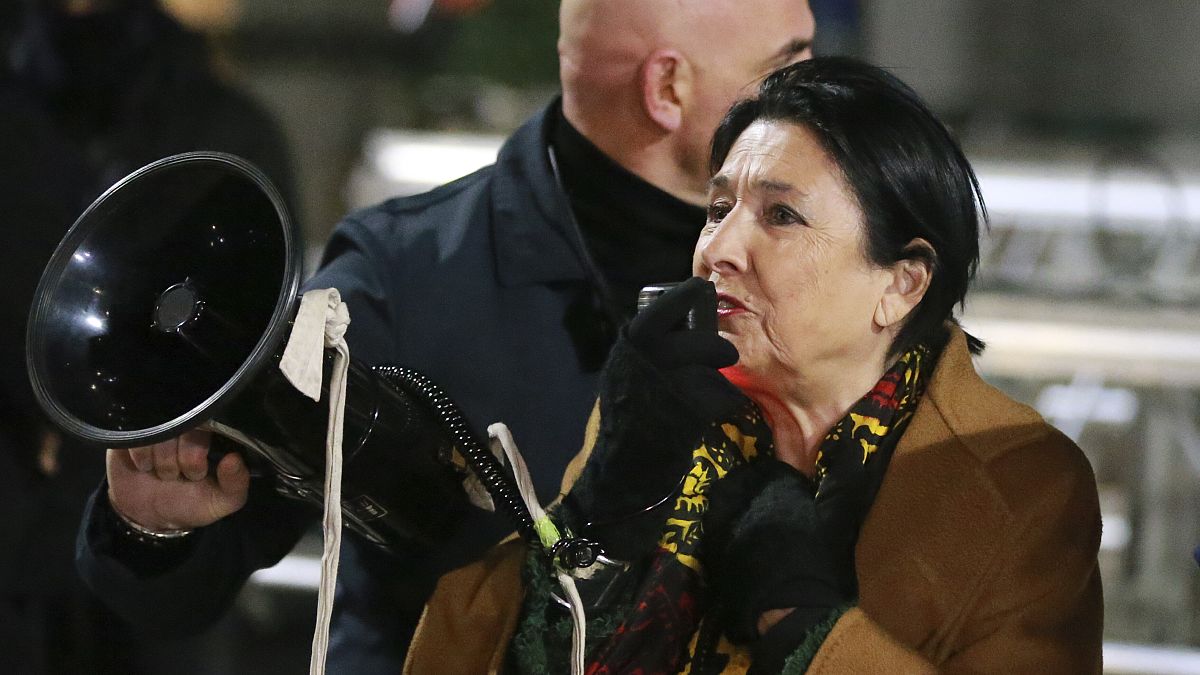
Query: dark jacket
x=977, y=556
x=472, y=284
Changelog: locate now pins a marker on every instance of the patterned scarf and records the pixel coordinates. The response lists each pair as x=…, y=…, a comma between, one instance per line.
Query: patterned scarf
x=666, y=631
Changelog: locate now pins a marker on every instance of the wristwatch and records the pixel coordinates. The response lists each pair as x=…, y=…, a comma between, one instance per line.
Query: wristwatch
x=126, y=528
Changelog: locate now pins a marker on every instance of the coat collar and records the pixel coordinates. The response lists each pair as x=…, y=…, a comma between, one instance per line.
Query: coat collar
x=967, y=406
x=535, y=241
x=936, y=493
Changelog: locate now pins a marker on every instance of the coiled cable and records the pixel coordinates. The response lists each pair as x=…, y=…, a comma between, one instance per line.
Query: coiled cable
x=487, y=468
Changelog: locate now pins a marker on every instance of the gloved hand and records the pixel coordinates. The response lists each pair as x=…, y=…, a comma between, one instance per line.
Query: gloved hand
x=766, y=545
x=687, y=359
x=659, y=392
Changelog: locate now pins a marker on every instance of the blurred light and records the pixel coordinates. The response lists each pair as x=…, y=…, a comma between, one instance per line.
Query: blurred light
x=1048, y=348
x=407, y=16
x=429, y=159
x=1088, y=403
x=205, y=15
x=1115, y=534
x=93, y=321
x=1130, y=659
x=1065, y=197
x=294, y=571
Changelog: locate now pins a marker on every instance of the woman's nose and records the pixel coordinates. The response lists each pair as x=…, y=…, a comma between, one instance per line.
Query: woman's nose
x=724, y=249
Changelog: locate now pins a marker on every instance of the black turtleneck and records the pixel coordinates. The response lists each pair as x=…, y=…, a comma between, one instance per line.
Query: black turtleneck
x=636, y=233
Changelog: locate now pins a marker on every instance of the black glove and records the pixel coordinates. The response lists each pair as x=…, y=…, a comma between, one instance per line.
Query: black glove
x=687, y=359
x=765, y=546
x=659, y=392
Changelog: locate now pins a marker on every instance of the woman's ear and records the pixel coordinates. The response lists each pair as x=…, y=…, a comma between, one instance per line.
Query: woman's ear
x=666, y=82
x=910, y=278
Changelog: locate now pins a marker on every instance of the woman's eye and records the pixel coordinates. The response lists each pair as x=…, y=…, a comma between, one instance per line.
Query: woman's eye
x=717, y=212
x=783, y=215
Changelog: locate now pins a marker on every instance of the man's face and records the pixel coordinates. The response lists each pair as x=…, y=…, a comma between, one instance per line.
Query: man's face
x=732, y=50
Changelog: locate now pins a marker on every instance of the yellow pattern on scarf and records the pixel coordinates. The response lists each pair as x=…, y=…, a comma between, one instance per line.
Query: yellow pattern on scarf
x=724, y=447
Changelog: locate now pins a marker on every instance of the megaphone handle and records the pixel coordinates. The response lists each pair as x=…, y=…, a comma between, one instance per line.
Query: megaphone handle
x=225, y=440
x=220, y=446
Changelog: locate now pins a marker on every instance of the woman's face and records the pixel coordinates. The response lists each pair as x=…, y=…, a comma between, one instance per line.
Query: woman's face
x=784, y=244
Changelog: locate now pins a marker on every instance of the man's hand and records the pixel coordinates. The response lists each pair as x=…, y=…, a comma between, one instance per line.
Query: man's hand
x=167, y=486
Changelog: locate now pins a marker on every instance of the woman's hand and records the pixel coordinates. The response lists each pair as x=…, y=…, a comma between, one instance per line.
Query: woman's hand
x=689, y=360
x=660, y=391
x=775, y=570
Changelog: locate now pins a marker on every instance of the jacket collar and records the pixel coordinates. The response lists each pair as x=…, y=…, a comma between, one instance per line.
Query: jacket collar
x=534, y=239
x=966, y=405
x=937, y=490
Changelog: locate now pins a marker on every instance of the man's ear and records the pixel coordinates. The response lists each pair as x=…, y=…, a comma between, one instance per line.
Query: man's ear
x=666, y=80
x=910, y=278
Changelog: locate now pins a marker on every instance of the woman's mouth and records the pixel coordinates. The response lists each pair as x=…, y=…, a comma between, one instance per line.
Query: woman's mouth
x=727, y=305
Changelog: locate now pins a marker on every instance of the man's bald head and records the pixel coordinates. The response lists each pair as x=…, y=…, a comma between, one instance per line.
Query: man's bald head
x=648, y=80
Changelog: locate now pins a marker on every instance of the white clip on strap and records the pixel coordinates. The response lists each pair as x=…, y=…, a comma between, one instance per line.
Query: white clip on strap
x=321, y=322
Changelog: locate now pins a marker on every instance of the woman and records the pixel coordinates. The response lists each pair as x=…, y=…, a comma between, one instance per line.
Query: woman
x=878, y=508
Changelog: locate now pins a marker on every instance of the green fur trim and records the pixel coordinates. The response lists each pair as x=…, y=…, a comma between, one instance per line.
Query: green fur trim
x=542, y=643
x=527, y=649
x=802, y=658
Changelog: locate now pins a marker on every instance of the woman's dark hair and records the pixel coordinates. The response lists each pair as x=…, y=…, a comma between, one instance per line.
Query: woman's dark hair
x=909, y=175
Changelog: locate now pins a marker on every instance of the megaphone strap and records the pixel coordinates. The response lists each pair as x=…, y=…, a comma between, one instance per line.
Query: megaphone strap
x=550, y=538
x=321, y=323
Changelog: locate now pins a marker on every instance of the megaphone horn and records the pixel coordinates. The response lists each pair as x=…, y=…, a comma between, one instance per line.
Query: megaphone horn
x=169, y=302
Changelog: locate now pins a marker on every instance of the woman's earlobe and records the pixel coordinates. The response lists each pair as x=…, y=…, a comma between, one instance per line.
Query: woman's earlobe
x=892, y=308
x=880, y=317
x=910, y=281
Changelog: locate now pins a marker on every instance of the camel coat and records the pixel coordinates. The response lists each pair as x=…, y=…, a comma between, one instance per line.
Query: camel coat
x=978, y=555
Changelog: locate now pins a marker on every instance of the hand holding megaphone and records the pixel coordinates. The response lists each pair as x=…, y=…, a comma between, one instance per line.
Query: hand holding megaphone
x=171, y=301
x=174, y=299
x=170, y=485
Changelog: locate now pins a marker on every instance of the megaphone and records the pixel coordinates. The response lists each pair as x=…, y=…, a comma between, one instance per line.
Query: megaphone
x=168, y=304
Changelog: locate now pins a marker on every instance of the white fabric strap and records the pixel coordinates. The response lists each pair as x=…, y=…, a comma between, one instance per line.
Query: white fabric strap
x=578, y=622
x=500, y=434
x=321, y=322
